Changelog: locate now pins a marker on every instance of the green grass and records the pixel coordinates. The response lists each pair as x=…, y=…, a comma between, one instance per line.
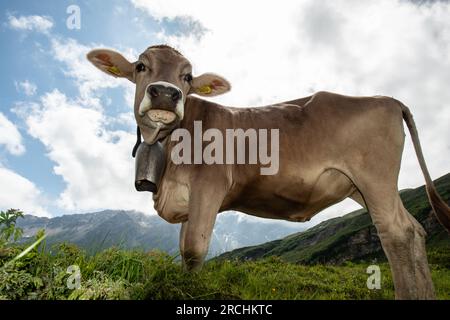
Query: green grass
x=121, y=274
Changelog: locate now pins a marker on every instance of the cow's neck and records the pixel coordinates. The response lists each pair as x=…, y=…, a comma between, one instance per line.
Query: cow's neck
x=207, y=112
x=196, y=109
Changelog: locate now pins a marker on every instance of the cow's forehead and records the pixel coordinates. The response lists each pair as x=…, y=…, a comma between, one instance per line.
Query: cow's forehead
x=164, y=47
x=164, y=54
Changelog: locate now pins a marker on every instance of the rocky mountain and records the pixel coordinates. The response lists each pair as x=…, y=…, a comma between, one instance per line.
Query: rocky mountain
x=353, y=237
x=131, y=229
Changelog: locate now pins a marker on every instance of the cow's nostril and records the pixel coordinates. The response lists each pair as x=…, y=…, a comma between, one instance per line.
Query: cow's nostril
x=176, y=95
x=153, y=91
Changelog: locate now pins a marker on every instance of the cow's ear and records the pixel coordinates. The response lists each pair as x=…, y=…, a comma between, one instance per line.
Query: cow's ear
x=209, y=85
x=112, y=63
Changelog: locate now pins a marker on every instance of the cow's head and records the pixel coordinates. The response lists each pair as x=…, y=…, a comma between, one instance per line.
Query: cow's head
x=163, y=79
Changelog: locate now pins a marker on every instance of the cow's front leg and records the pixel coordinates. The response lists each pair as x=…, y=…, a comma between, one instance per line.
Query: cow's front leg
x=204, y=204
x=182, y=236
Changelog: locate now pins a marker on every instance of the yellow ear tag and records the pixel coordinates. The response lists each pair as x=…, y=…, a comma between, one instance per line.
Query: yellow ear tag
x=114, y=70
x=206, y=89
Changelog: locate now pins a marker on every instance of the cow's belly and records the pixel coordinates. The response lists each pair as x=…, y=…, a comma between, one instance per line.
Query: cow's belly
x=172, y=201
x=296, y=201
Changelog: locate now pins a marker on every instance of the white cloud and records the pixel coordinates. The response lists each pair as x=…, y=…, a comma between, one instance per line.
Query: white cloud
x=10, y=137
x=273, y=52
x=95, y=163
x=27, y=87
x=31, y=23
x=18, y=192
x=89, y=80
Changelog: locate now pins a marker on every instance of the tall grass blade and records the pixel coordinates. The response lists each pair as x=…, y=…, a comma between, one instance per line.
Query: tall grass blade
x=31, y=247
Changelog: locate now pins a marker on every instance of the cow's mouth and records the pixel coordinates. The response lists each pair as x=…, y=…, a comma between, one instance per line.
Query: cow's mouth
x=162, y=116
x=156, y=124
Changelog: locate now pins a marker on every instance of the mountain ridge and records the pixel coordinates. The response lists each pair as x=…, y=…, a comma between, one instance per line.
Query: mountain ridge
x=136, y=230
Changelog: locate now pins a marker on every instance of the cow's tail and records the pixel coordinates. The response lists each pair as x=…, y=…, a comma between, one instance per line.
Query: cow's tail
x=440, y=208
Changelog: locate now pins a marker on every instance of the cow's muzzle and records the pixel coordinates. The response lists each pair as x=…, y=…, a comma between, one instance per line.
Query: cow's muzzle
x=150, y=165
x=162, y=103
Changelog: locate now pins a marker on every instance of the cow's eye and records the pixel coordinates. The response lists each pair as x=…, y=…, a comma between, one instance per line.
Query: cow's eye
x=188, y=77
x=140, y=67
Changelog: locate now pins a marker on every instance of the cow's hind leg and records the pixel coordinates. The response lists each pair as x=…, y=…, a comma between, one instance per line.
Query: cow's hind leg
x=373, y=168
x=402, y=239
x=425, y=286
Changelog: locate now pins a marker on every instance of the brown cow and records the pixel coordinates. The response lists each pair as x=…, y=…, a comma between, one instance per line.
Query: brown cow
x=331, y=147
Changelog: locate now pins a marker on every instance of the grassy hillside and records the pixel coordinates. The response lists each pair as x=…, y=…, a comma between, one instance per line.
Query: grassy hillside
x=118, y=274
x=353, y=236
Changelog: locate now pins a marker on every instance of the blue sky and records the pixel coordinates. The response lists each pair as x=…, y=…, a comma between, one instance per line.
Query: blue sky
x=23, y=60
x=26, y=56
x=54, y=162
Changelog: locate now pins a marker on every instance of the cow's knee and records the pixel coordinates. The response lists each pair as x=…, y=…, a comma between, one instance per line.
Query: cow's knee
x=396, y=230
x=418, y=228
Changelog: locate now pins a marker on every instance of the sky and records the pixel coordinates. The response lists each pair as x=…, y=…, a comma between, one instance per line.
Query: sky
x=67, y=130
